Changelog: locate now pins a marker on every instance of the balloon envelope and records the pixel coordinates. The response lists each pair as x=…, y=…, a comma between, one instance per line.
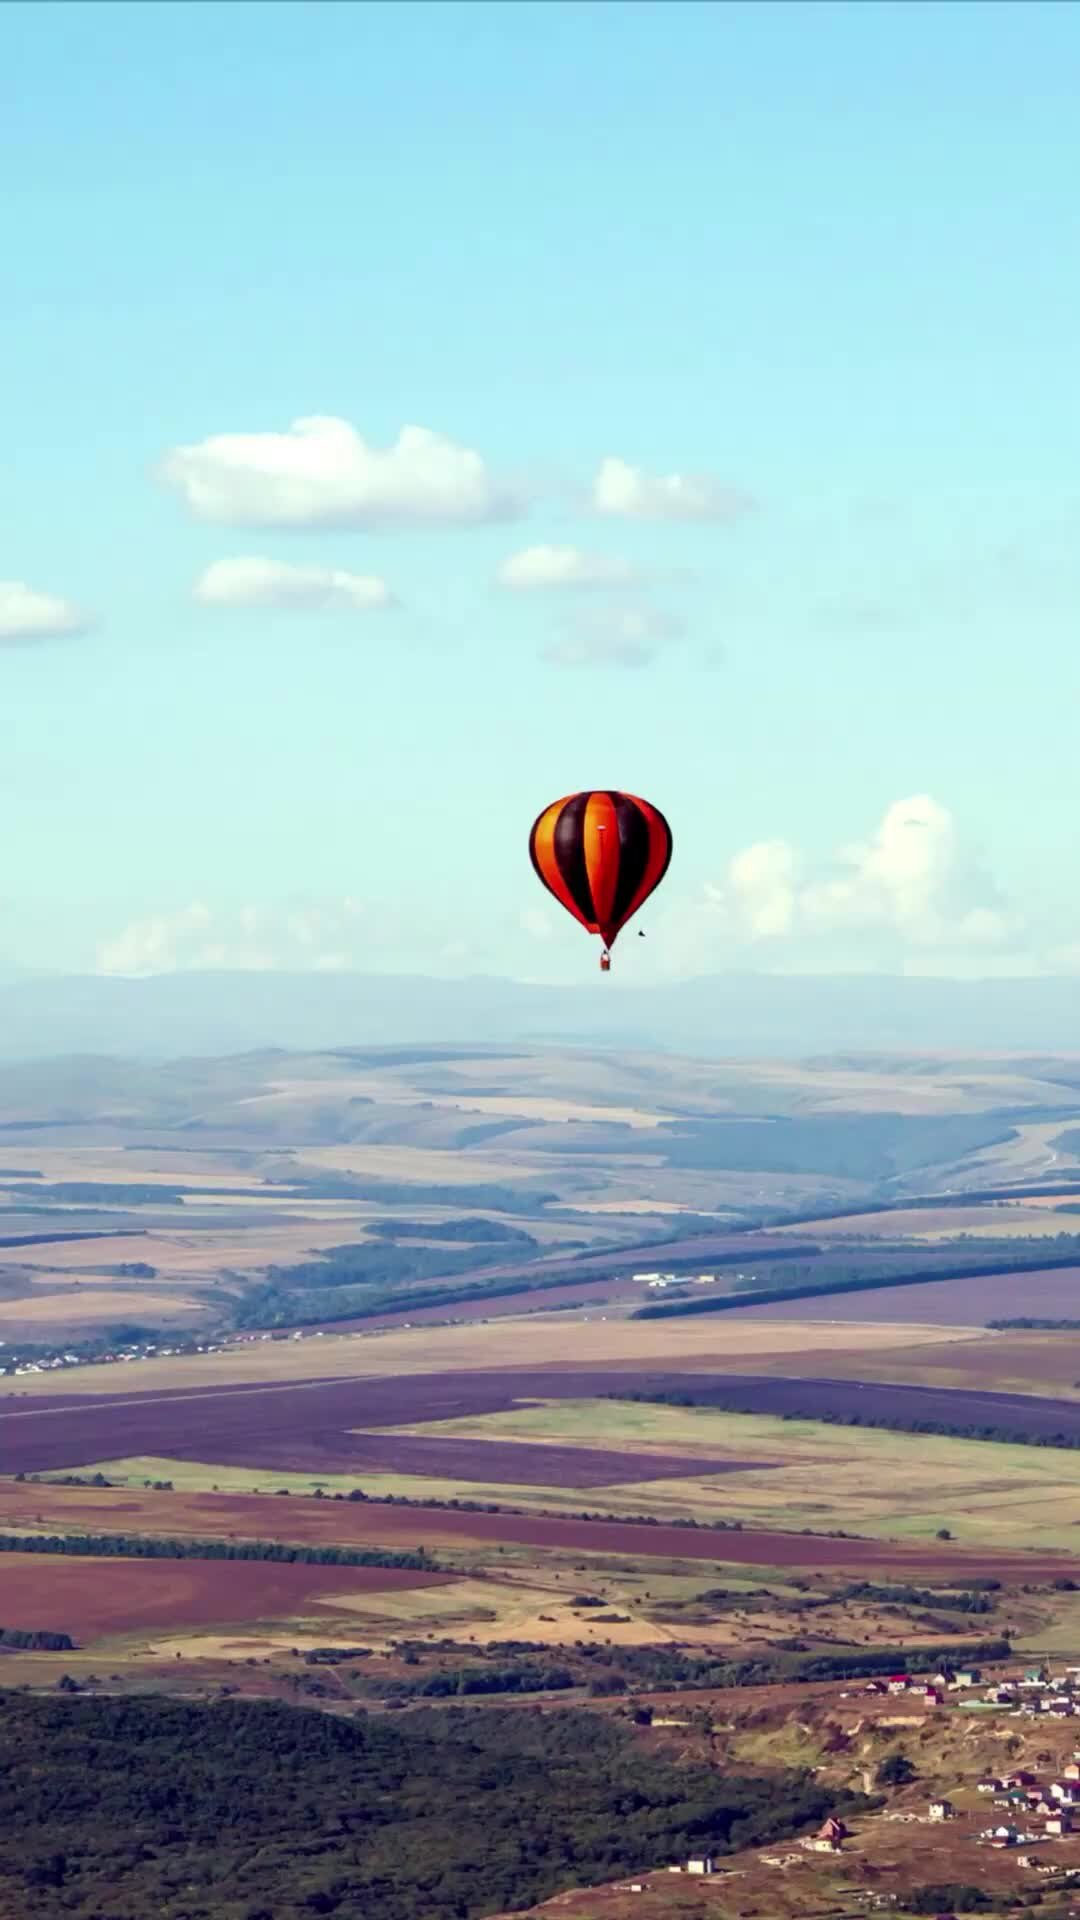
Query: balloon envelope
x=601, y=853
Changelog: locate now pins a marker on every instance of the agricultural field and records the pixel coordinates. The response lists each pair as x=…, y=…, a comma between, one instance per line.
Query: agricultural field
x=201, y=1513
x=106, y=1598
x=261, y=1190
x=595, y=1339
x=379, y=1304
x=972, y=1302
x=991, y=1219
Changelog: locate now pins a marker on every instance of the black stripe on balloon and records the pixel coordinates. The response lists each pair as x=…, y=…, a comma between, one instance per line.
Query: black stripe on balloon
x=634, y=847
x=569, y=845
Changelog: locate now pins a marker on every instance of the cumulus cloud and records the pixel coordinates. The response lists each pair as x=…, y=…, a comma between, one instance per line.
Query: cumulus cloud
x=321, y=473
x=761, y=880
x=539, y=568
x=615, y=636
x=634, y=494
x=250, y=939
x=251, y=582
x=27, y=614
x=912, y=883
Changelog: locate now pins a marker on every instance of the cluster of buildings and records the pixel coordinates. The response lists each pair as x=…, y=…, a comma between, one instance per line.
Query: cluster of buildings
x=658, y=1281
x=1054, y=1805
x=12, y=1366
x=930, y=1692
x=1033, y=1692
x=1037, y=1691
x=55, y=1362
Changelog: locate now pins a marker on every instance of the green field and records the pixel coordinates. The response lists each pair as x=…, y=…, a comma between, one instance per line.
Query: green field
x=809, y=1475
x=888, y=1485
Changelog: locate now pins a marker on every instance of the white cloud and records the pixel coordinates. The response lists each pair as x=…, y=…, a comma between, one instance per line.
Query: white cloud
x=762, y=883
x=251, y=582
x=615, y=636
x=321, y=939
x=321, y=473
x=537, y=568
x=634, y=494
x=27, y=614
x=910, y=887
x=911, y=875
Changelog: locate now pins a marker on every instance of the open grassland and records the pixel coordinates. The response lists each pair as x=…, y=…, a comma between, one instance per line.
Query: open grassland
x=883, y=1484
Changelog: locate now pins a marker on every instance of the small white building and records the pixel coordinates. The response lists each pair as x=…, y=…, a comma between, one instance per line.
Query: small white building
x=704, y=1865
x=941, y=1810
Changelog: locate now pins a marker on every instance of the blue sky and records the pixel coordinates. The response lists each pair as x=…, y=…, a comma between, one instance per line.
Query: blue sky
x=809, y=273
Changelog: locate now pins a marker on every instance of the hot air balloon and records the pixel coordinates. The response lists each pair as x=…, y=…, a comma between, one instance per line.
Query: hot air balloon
x=601, y=854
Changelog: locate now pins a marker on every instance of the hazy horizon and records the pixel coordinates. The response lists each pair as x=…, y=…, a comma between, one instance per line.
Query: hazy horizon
x=736, y=1016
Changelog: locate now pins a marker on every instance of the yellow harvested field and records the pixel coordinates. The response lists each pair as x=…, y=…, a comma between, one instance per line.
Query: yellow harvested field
x=110, y=1252
x=427, y=1164
x=989, y=1222
x=401, y=1093
x=189, y=1251
x=92, y=1304
x=534, y=1340
x=664, y=1207
x=536, y=1107
x=952, y=1083
x=101, y=1167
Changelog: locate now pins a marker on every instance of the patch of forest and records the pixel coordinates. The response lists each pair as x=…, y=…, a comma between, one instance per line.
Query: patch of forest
x=474, y=1230
x=271, y=1304
x=258, y=1811
x=35, y=1640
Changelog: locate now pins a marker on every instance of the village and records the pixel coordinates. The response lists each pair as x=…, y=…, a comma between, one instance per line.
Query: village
x=951, y=1813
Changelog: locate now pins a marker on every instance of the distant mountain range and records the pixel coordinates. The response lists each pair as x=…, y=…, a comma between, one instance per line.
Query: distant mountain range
x=738, y=1015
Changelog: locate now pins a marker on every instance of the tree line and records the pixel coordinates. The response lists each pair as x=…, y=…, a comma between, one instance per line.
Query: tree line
x=862, y=1417
x=137, y=1546
x=870, y=1279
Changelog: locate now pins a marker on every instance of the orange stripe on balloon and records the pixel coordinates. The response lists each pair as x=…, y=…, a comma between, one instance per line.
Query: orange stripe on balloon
x=601, y=838
x=542, y=849
x=659, y=856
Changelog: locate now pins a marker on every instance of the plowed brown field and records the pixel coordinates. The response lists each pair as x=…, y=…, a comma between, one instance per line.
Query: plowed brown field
x=367, y=1524
x=89, y=1598
x=311, y=1425
x=1053, y=1294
